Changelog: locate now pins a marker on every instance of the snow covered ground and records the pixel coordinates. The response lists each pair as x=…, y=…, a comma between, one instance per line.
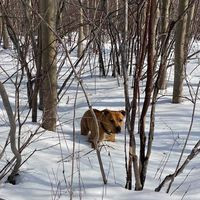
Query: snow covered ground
x=47, y=174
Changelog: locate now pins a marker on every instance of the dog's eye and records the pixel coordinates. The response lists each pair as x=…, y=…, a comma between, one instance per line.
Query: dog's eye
x=120, y=120
x=112, y=121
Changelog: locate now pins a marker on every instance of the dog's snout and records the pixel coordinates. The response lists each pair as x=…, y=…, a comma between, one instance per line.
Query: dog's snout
x=118, y=129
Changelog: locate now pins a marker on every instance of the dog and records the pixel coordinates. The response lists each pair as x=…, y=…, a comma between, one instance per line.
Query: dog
x=109, y=122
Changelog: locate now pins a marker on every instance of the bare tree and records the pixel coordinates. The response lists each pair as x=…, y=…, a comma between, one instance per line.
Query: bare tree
x=189, y=26
x=5, y=36
x=1, y=24
x=21, y=46
x=80, y=33
x=12, y=134
x=49, y=93
x=145, y=37
x=132, y=159
x=144, y=156
x=3, y=32
x=165, y=10
x=195, y=151
x=180, y=40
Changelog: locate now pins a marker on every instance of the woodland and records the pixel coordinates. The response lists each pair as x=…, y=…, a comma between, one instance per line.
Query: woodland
x=60, y=58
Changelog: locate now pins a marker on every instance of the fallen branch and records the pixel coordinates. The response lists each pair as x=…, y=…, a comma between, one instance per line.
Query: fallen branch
x=195, y=151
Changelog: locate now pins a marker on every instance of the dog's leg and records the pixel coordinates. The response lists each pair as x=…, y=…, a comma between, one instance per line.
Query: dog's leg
x=110, y=138
x=84, y=127
x=101, y=136
x=92, y=139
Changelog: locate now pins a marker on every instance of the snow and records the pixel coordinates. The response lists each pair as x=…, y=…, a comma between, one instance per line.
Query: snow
x=47, y=173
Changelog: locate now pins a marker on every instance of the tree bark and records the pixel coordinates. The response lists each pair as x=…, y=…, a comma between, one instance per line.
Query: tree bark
x=180, y=39
x=165, y=5
x=148, y=90
x=5, y=36
x=1, y=26
x=126, y=94
x=12, y=133
x=189, y=26
x=132, y=159
x=49, y=93
x=81, y=33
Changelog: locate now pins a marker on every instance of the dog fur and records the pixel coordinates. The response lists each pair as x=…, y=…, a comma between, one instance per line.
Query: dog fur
x=109, y=122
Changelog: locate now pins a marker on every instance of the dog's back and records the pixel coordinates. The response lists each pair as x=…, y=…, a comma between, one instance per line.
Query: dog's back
x=87, y=121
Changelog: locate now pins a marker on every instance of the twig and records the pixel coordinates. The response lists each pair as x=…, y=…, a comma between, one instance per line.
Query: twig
x=185, y=192
x=12, y=133
x=186, y=140
x=182, y=182
x=74, y=142
x=193, y=153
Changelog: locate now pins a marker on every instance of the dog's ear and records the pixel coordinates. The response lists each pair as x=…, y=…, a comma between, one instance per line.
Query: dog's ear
x=123, y=112
x=105, y=111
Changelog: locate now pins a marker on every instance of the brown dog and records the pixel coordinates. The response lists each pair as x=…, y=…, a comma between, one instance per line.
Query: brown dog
x=109, y=122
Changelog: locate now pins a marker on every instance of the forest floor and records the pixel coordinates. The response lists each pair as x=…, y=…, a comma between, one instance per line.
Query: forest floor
x=53, y=171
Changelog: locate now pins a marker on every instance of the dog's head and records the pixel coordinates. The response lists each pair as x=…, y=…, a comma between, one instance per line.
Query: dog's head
x=113, y=120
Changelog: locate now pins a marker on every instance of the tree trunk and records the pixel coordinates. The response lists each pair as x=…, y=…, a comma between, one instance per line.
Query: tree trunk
x=100, y=38
x=117, y=12
x=12, y=134
x=133, y=159
x=81, y=33
x=165, y=5
x=148, y=91
x=87, y=27
x=1, y=26
x=38, y=81
x=180, y=40
x=5, y=36
x=189, y=26
x=126, y=94
x=49, y=93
